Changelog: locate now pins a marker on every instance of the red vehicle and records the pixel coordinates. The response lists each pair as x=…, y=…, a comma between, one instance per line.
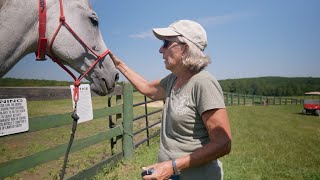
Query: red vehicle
x=311, y=103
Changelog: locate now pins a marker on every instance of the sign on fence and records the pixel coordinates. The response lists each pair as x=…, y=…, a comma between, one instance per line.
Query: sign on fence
x=13, y=116
x=84, y=106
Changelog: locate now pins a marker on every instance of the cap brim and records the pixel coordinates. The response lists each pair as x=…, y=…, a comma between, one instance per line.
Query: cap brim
x=162, y=33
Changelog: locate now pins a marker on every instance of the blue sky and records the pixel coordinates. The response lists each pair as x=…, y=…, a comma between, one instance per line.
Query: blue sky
x=247, y=38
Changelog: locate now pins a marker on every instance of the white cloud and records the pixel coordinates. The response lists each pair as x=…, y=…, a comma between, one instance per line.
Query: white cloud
x=143, y=35
x=223, y=19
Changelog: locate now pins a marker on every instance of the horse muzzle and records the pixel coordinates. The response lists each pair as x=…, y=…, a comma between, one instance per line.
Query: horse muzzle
x=103, y=86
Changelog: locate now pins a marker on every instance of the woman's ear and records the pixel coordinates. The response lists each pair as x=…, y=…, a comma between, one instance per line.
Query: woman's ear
x=185, y=48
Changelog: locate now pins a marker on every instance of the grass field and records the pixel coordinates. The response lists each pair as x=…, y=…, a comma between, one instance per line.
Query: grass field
x=271, y=142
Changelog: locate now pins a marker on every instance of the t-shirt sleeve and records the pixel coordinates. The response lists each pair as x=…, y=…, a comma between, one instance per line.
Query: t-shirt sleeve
x=208, y=95
x=167, y=82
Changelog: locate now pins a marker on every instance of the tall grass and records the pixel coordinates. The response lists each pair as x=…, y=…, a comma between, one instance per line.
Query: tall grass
x=272, y=142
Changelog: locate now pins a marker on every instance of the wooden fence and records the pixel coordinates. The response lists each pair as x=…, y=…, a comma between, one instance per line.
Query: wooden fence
x=120, y=134
x=232, y=99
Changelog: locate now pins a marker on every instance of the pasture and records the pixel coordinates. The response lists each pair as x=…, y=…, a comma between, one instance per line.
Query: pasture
x=269, y=142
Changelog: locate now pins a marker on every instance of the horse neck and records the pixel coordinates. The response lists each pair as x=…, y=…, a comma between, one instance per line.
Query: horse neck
x=18, y=32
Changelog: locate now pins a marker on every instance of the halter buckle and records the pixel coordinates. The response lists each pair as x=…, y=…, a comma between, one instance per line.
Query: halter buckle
x=42, y=47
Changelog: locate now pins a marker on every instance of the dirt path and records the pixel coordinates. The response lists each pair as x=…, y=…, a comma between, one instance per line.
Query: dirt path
x=156, y=104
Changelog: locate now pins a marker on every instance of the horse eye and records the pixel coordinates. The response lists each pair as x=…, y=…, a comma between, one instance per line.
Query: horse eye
x=94, y=21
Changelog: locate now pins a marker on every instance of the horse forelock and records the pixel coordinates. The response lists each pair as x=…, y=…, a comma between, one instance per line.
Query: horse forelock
x=2, y=2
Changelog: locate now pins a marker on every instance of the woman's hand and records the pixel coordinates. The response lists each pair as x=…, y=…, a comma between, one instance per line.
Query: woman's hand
x=121, y=66
x=162, y=170
x=115, y=60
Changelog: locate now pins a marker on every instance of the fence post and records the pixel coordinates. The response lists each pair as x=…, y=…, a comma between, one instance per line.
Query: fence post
x=286, y=101
x=253, y=100
x=232, y=99
x=227, y=99
x=147, y=120
x=127, y=120
x=238, y=99
x=119, y=121
x=113, y=141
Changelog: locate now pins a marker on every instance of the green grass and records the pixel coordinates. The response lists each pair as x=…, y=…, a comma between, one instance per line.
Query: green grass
x=272, y=142
x=13, y=82
x=131, y=169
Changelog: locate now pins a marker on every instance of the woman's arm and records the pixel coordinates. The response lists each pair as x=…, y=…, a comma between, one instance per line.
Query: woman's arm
x=217, y=124
x=151, y=89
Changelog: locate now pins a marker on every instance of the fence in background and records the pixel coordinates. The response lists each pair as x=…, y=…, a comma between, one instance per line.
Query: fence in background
x=232, y=99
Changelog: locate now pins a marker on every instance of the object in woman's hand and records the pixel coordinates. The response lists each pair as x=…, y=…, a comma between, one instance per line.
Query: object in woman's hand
x=147, y=172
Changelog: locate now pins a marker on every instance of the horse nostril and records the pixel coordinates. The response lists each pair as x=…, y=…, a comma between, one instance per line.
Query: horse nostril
x=117, y=77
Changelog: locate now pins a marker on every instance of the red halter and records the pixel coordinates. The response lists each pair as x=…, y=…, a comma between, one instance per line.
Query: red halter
x=42, y=45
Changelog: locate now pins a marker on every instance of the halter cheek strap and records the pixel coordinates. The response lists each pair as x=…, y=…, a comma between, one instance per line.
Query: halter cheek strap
x=42, y=40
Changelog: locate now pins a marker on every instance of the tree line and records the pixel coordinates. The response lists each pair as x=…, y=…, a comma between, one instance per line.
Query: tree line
x=271, y=86
x=265, y=86
x=16, y=82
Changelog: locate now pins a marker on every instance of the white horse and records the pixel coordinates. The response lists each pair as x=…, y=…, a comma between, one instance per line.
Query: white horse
x=19, y=36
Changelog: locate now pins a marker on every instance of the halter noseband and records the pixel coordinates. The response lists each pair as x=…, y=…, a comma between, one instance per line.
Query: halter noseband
x=42, y=44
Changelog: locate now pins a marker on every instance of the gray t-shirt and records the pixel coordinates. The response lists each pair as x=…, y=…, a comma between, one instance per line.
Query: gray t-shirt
x=182, y=128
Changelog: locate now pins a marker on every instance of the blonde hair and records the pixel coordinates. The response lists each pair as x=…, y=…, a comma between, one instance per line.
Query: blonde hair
x=195, y=59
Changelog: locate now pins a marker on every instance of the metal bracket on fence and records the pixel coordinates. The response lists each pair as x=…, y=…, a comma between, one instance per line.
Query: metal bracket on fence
x=126, y=132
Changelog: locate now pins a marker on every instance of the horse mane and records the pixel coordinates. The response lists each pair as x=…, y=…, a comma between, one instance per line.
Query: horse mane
x=2, y=2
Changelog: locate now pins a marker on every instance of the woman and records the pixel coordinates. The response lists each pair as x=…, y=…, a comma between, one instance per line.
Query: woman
x=195, y=129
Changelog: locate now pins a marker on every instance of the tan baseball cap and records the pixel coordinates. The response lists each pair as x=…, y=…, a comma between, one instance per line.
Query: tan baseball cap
x=191, y=30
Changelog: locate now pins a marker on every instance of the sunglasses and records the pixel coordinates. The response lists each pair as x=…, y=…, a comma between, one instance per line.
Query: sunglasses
x=166, y=44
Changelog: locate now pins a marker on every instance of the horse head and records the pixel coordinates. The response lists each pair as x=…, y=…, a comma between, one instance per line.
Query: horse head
x=66, y=47
x=84, y=21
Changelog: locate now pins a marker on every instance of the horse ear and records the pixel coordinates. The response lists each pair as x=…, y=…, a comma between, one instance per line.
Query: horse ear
x=90, y=6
